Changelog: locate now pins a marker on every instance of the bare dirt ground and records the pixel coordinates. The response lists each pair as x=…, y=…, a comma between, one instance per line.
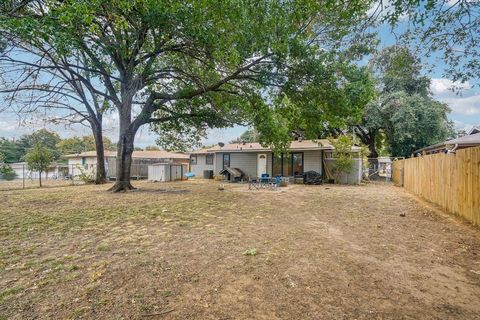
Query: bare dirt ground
x=189, y=251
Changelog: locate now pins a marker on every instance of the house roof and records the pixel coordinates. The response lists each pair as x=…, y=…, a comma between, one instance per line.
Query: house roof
x=468, y=140
x=150, y=154
x=475, y=129
x=200, y=151
x=298, y=145
x=471, y=139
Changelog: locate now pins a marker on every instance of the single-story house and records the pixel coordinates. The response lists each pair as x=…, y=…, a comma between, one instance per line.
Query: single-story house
x=253, y=160
x=140, y=161
x=470, y=140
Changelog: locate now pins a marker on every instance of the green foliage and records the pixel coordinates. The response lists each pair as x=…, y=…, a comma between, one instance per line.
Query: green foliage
x=6, y=171
x=71, y=146
x=11, y=150
x=250, y=135
x=344, y=157
x=409, y=122
x=39, y=159
x=405, y=112
x=334, y=99
x=47, y=139
x=447, y=32
x=250, y=252
x=152, y=148
x=80, y=144
x=195, y=65
x=85, y=176
x=184, y=67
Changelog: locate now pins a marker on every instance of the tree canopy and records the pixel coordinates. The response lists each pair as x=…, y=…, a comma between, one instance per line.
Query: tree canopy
x=80, y=144
x=405, y=110
x=446, y=31
x=184, y=66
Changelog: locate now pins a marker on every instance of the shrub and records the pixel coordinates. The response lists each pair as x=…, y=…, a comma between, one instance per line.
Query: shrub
x=85, y=176
x=344, y=161
x=7, y=173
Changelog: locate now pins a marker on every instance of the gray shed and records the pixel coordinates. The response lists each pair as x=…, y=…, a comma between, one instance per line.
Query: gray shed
x=163, y=172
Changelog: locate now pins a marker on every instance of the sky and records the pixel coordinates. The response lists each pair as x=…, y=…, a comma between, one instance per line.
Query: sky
x=464, y=105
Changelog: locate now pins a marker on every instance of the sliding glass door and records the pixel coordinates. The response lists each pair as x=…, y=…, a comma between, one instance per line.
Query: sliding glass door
x=288, y=165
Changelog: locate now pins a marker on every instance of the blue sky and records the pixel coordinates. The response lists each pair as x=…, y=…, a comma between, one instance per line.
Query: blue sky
x=465, y=106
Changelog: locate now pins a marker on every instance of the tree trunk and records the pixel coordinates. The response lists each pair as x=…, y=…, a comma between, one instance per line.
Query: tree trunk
x=40, y=178
x=372, y=158
x=100, y=175
x=124, y=155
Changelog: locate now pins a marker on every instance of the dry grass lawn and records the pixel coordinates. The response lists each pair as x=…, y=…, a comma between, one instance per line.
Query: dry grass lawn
x=189, y=251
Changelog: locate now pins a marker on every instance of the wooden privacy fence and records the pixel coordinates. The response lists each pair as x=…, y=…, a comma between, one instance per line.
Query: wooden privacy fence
x=450, y=180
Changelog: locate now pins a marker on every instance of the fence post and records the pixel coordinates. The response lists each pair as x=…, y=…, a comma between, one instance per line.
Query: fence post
x=23, y=176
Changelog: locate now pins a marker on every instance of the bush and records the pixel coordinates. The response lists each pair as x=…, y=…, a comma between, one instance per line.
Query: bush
x=7, y=173
x=85, y=176
x=344, y=161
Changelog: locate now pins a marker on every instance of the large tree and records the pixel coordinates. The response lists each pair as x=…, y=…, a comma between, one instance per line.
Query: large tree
x=46, y=138
x=45, y=83
x=409, y=121
x=405, y=110
x=189, y=65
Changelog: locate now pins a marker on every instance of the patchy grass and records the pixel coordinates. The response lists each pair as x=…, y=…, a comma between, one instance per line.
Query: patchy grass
x=250, y=252
x=175, y=249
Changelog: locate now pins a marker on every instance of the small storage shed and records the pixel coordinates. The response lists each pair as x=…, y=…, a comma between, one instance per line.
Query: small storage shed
x=163, y=172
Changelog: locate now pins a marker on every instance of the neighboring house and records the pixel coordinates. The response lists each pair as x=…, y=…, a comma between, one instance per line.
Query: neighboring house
x=254, y=160
x=475, y=129
x=54, y=171
x=470, y=140
x=140, y=161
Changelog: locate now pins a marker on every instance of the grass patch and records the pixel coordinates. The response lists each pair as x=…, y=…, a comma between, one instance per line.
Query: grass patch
x=103, y=247
x=5, y=294
x=250, y=252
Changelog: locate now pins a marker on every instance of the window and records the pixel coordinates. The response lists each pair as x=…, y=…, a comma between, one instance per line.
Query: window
x=209, y=159
x=193, y=159
x=297, y=164
x=287, y=165
x=226, y=160
x=277, y=165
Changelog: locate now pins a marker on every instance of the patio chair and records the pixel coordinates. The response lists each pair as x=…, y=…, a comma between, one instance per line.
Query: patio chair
x=275, y=184
x=253, y=184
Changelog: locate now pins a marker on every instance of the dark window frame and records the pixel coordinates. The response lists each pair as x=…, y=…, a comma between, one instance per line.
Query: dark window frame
x=223, y=160
x=193, y=157
x=207, y=157
x=290, y=162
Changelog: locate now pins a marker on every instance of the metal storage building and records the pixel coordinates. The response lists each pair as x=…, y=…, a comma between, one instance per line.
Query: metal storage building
x=163, y=172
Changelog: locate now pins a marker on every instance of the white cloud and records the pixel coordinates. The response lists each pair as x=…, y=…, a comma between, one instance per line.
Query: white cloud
x=464, y=101
x=460, y=125
x=468, y=106
x=442, y=86
x=8, y=127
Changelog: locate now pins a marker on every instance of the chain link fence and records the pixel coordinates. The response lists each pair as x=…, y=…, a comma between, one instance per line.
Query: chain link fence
x=379, y=169
x=15, y=176
x=18, y=176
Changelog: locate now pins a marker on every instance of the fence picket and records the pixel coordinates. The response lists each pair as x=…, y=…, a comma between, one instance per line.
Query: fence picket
x=450, y=180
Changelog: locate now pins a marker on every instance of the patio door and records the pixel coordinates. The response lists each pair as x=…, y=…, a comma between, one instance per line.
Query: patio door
x=261, y=164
